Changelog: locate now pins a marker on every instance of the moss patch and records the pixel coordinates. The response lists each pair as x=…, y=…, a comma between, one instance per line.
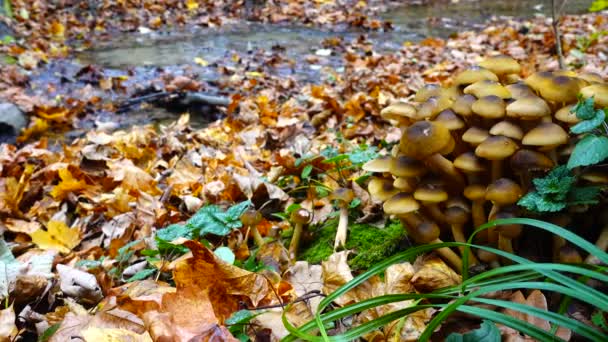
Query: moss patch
x=369, y=244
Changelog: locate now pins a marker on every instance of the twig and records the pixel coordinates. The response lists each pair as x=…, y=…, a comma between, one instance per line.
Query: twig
x=304, y=297
x=555, y=20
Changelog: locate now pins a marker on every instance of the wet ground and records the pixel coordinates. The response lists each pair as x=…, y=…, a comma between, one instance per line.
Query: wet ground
x=146, y=54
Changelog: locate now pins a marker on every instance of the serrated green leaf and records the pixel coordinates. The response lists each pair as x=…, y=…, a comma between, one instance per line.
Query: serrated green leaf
x=362, y=154
x=586, y=126
x=599, y=320
x=225, y=254
x=584, y=195
x=141, y=275
x=306, y=171
x=241, y=317
x=211, y=219
x=584, y=109
x=533, y=201
x=487, y=332
x=555, y=184
x=166, y=235
x=591, y=150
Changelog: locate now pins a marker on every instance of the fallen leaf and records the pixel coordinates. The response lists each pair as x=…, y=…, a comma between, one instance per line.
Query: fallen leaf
x=93, y=334
x=8, y=329
x=58, y=236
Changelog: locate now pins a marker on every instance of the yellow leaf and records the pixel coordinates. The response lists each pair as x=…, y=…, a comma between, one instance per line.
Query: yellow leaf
x=201, y=61
x=67, y=185
x=58, y=236
x=93, y=334
x=57, y=29
x=254, y=74
x=8, y=330
x=191, y=5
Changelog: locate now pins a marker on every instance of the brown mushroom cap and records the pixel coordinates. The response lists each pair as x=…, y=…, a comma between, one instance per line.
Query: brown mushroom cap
x=399, y=111
x=538, y=80
x=426, y=232
x=401, y=204
x=528, y=160
x=591, y=77
x=489, y=107
x=344, y=195
x=510, y=231
x=486, y=256
x=462, y=105
x=381, y=189
x=599, y=92
x=427, y=91
x=475, y=192
x=469, y=162
x=475, y=135
x=457, y=211
x=565, y=115
x=519, y=90
x=496, y=147
x=427, y=193
x=508, y=129
x=562, y=89
x=432, y=106
x=405, y=184
x=381, y=164
x=404, y=166
x=473, y=75
x=450, y=120
x=528, y=108
x=569, y=255
x=251, y=217
x=487, y=88
x=546, y=134
x=301, y=216
x=501, y=65
x=503, y=191
x=424, y=138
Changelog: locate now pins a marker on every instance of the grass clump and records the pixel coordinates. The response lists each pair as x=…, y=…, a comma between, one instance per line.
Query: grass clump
x=369, y=244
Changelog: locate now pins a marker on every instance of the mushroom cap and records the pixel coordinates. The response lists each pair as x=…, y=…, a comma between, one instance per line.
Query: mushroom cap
x=450, y=120
x=427, y=91
x=565, y=115
x=380, y=164
x=400, y=204
x=486, y=88
x=457, y=211
x=404, y=166
x=432, y=106
x=473, y=75
x=426, y=193
x=251, y=217
x=424, y=138
x=399, y=111
x=463, y=103
x=562, y=89
x=469, y=162
x=345, y=195
x=503, y=191
x=426, y=232
x=508, y=129
x=528, y=108
x=475, y=192
x=599, y=92
x=546, y=134
x=301, y=216
x=527, y=160
x=381, y=189
x=591, y=77
x=489, y=107
x=519, y=90
x=511, y=78
x=486, y=256
x=405, y=184
x=496, y=147
x=510, y=231
x=595, y=176
x=569, y=255
x=501, y=65
x=538, y=80
x=475, y=135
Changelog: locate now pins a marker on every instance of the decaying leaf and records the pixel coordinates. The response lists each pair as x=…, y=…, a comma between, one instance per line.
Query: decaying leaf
x=8, y=329
x=58, y=236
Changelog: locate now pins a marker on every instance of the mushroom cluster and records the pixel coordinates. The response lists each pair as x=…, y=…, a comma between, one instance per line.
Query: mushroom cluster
x=469, y=151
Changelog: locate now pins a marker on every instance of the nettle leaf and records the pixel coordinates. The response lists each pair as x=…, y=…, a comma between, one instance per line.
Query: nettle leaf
x=555, y=184
x=211, y=219
x=584, y=109
x=584, y=195
x=591, y=150
x=141, y=275
x=487, y=332
x=587, y=126
x=534, y=201
x=362, y=154
x=166, y=235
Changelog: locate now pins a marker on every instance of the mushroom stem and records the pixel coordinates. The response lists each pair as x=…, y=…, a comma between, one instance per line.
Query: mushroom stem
x=449, y=256
x=496, y=169
x=257, y=237
x=601, y=243
x=295, y=241
x=435, y=212
x=441, y=165
x=342, y=228
x=504, y=244
x=479, y=215
x=458, y=235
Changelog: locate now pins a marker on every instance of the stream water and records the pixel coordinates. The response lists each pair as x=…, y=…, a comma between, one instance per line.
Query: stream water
x=143, y=53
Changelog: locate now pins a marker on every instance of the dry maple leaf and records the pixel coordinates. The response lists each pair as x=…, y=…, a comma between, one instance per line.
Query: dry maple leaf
x=68, y=185
x=58, y=236
x=132, y=177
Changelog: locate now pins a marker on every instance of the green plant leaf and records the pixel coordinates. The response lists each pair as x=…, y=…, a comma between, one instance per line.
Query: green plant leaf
x=584, y=109
x=598, y=5
x=599, y=320
x=589, y=125
x=362, y=154
x=534, y=201
x=241, y=317
x=141, y=275
x=211, y=219
x=556, y=183
x=584, y=195
x=487, y=332
x=225, y=254
x=306, y=171
x=49, y=332
x=591, y=150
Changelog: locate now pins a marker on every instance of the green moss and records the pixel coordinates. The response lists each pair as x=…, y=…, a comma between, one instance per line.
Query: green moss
x=369, y=244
